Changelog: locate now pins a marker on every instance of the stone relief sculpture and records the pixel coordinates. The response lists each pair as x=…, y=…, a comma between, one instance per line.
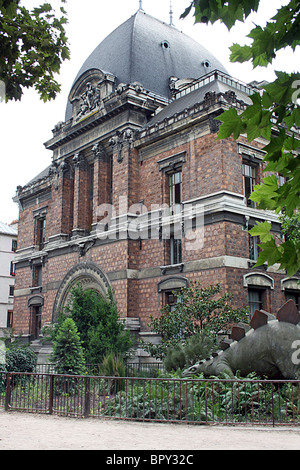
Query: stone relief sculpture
x=270, y=348
x=90, y=100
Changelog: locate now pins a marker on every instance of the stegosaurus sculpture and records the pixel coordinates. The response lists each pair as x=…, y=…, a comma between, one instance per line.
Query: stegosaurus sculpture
x=269, y=347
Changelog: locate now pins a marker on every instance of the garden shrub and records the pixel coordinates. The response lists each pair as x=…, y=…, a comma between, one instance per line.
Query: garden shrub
x=68, y=357
x=197, y=347
x=113, y=366
x=99, y=324
x=20, y=359
x=197, y=309
x=67, y=350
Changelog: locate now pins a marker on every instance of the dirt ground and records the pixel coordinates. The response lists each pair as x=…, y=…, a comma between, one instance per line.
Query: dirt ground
x=20, y=431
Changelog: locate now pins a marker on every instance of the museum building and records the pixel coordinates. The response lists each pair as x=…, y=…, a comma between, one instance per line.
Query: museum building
x=139, y=195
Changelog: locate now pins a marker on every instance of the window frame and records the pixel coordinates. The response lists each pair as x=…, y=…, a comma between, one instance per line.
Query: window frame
x=249, y=180
x=255, y=304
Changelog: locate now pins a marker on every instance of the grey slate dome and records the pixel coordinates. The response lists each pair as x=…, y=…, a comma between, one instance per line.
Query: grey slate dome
x=146, y=50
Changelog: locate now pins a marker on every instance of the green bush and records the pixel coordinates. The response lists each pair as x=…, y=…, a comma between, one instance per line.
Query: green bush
x=113, y=366
x=99, y=324
x=197, y=309
x=202, y=400
x=21, y=359
x=67, y=350
x=68, y=357
x=197, y=347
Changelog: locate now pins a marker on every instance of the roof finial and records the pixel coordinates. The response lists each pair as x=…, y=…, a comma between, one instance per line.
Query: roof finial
x=140, y=5
x=171, y=15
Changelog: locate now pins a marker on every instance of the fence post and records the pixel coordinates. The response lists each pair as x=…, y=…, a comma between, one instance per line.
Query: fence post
x=273, y=414
x=7, y=393
x=51, y=395
x=87, y=397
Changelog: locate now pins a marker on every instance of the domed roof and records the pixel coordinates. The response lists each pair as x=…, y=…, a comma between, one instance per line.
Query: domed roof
x=146, y=50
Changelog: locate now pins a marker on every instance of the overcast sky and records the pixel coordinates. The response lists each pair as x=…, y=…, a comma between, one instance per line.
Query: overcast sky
x=26, y=125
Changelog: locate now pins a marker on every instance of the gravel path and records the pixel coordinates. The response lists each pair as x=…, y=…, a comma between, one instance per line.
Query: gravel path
x=45, y=432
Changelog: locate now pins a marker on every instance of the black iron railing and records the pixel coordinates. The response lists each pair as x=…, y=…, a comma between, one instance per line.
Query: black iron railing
x=154, y=399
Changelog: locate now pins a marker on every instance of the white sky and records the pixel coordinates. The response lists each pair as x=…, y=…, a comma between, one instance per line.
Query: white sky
x=26, y=125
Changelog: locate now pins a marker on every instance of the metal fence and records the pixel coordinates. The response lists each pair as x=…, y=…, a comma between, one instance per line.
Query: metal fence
x=132, y=368
x=195, y=401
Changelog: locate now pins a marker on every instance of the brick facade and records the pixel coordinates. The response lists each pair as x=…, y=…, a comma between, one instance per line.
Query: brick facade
x=103, y=203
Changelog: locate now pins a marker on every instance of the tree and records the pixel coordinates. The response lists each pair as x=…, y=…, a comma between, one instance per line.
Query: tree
x=33, y=46
x=99, y=324
x=198, y=309
x=67, y=349
x=274, y=115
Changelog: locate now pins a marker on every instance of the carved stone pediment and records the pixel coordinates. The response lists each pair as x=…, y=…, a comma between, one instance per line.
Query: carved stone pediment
x=88, y=93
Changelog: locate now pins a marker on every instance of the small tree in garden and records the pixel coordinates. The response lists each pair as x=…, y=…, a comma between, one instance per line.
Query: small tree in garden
x=197, y=310
x=99, y=324
x=67, y=349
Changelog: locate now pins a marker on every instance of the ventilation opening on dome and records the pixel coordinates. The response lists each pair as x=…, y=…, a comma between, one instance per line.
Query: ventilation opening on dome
x=165, y=44
x=206, y=63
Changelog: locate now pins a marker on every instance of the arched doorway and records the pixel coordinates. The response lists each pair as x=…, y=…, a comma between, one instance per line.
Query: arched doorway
x=88, y=275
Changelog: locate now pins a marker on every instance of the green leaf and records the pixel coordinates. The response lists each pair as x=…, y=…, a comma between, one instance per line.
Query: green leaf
x=270, y=253
x=262, y=230
x=266, y=193
x=232, y=124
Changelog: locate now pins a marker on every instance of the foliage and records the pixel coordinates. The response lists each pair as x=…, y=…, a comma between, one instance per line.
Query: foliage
x=291, y=227
x=274, y=115
x=215, y=400
x=33, y=46
x=20, y=359
x=113, y=366
x=196, y=309
x=99, y=324
x=67, y=350
x=197, y=347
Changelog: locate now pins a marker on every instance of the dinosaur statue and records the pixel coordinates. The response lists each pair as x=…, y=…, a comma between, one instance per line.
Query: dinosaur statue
x=270, y=347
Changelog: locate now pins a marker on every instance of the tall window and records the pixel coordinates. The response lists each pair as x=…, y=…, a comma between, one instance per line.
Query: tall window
x=253, y=248
x=9, y=322
x=254, y=301
x=37, y=276
x=91, y=198
x=175, y=185
x=40, y=232
x=175, y=250
x=249, y=181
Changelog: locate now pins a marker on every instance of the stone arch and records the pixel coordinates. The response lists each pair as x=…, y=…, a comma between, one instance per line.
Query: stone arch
x=88, y=275
x=258, y=279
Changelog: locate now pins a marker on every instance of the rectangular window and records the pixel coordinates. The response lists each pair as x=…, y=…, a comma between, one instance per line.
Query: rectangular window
x=12, y=268
x=91, y=196
x=254, y=301
x=11, y=291
x=37, y=276
x=295, y=296
x=175, y=250
x=9, y=322
x=253, y=248
x=40, y=232
x=249, y=181
x=13, y=245
x=175, y=185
